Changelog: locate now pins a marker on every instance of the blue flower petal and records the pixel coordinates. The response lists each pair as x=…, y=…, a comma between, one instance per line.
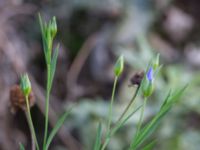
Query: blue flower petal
x=150, y=74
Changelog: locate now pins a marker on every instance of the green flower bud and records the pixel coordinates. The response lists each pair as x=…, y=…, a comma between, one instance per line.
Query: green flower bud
x=25, y=85
x=147, y=89
x=53, y=27
x=155, y=62
x=119, y=66
x=147, y=84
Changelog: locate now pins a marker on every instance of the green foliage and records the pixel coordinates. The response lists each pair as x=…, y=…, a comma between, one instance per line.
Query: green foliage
x=21, y=146
x=56, y=128
x=142, y=134
x=122, y=122
x=151, y=126
x=97, y=145
x=150, y=145
x=25, y=85
x=53, y=65
x=48, y=31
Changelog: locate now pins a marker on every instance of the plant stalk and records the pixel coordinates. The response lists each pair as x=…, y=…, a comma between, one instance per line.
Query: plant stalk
x=122, y=115
x=141, y=117
x=129, y=105
x=32, y=137
x=30, y=123
x=111, y=103
x=110, y=114
x=105, y=143
x=48, y=88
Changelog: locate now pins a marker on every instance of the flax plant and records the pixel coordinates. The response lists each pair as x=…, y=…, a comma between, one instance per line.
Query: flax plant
x=48, y=30
x=145, y=84
x=25, y=86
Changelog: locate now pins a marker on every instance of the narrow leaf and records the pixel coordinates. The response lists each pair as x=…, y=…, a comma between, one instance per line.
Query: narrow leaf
x=41, y=23
x=97, y=145
x=121, y=123
x=152, y=125
x=176, y=95
x=150, y=145
x=53, y=64
x=43, y=32
x=166, y=99
x=21, y=146
x=57, y=127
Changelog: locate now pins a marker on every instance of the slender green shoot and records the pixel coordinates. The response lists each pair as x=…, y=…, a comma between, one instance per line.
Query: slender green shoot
x=30, y=123
x=48, y=31
x=56, y=128
x=111, y=103
x=118, y=69
x=148, y=129
x=141, y=116
x=129, y=105
x=97, y=145
x=47, y=105
x=21, y=146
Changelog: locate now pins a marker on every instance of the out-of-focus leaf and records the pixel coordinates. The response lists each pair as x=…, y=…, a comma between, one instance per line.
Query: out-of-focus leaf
x=152, y=125
x=121, y=124
x=21, y=146
x=150, y=145
x=97, y=145
x=53, y=64
x=56, y=128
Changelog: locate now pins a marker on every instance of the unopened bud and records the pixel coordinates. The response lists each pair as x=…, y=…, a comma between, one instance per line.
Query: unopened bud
x=155, y=62
x=147, y=84
x=119, y=66
x=25, y=85
x=53, y=27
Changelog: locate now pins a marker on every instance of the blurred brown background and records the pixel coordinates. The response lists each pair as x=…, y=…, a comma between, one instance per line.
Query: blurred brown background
x=92, y=34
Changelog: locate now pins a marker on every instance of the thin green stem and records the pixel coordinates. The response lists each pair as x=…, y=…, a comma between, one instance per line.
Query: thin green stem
x=30, y=123
x=111, y=103
x=110, y=114
x=48, y=88
x=105, y=143
x=141, y=116
x=128, y=106
x=32, y=137
x=122, y=115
